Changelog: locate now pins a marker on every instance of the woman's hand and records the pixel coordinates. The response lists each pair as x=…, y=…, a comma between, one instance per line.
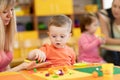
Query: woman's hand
x=33, y=64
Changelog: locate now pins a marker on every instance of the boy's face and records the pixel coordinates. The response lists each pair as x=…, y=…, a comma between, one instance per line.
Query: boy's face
x=59, y=35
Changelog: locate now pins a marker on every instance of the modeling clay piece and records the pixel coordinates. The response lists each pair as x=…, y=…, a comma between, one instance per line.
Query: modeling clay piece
x=47, y=74
x=55, y=76
x=50, y=71
x=65, y=69
x=61, y=74
x=35, y=70
x=58, y=72
x=37, y=61
x=80, y=64
x=70, y=73
x=95, y=74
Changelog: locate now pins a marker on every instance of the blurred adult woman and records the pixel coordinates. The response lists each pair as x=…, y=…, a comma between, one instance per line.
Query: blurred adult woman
x=110, y=26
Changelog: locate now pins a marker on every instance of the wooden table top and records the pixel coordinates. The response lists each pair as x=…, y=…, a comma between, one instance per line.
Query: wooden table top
x=28, y=75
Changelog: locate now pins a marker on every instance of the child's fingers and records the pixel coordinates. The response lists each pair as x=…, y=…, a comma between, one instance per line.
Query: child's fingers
x=36, y=56
x=40, y=56
x=43, y=57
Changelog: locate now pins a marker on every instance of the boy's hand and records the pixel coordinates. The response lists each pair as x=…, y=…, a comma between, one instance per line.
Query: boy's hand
x=40, y=56
x=37, y=54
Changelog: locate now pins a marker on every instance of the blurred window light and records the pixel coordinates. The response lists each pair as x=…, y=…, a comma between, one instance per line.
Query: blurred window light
x=107, y=4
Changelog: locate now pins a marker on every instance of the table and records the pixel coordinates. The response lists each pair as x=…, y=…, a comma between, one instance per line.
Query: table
x=91, y=69
x=111, y=47
x=28, y=75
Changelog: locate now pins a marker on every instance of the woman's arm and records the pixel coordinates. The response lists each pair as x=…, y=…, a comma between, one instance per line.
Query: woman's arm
x=8, y=67
x=18, y=68
x=105, y=30
x=28, y=65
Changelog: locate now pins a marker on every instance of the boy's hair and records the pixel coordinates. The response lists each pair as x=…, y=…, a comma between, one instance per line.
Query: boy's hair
x=86, y=19
x=59, y=21
x=7, y=32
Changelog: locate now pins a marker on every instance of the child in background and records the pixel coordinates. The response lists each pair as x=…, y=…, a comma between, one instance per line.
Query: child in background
x=58, y=53
x=88, y=43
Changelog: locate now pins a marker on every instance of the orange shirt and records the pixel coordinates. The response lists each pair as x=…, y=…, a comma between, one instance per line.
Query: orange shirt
x=59, y=56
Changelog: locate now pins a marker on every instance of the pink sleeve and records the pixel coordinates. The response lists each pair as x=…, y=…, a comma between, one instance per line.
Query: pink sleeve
x=86, y=45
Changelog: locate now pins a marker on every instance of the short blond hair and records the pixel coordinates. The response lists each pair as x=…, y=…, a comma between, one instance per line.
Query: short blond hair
x=59, y=21
x=7, y=35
